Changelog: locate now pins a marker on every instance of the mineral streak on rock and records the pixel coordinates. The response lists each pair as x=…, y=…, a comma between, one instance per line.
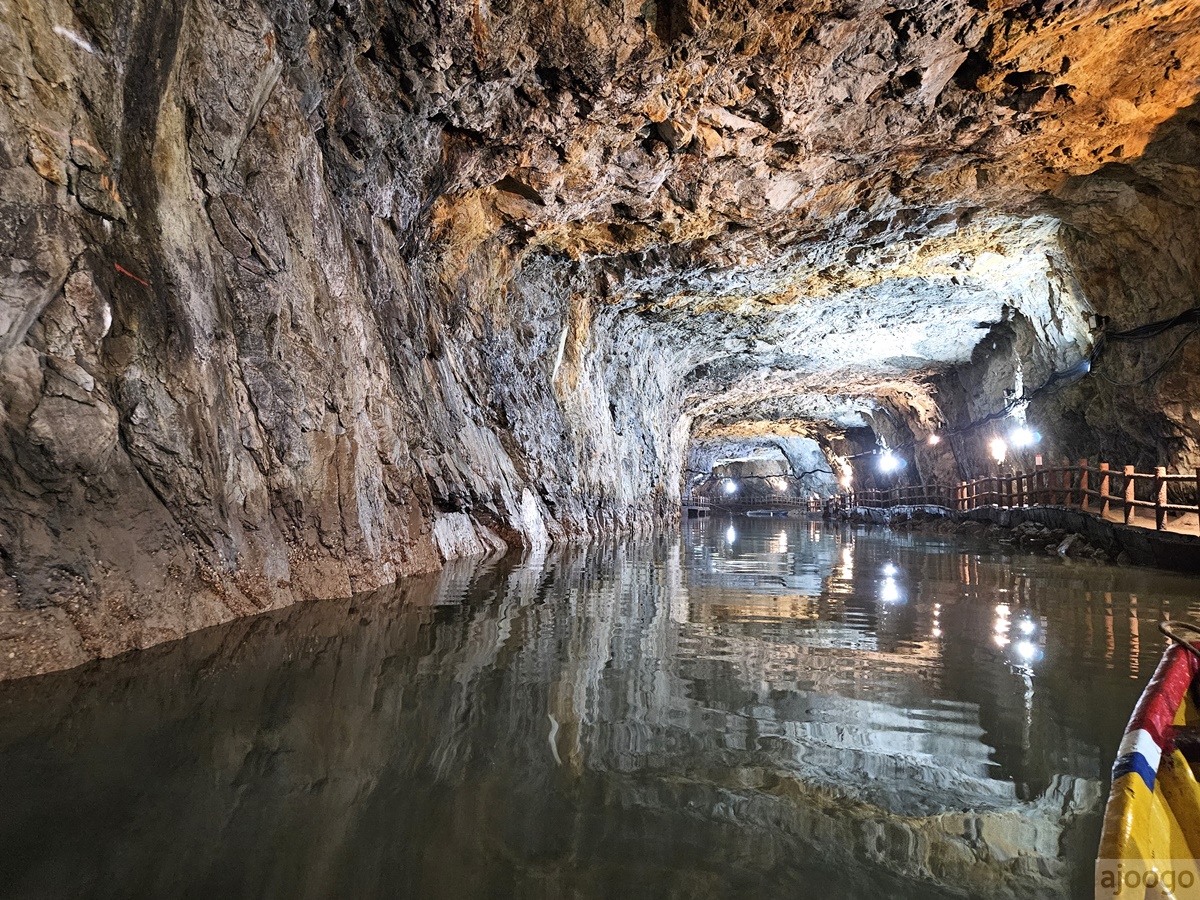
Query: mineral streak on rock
x=299, y=298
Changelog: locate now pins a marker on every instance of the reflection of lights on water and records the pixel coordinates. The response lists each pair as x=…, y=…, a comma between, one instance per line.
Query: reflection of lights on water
x=847, y=558
x=937, y=632
x=889, y=592
x=1017, y=636
x=1002, y=624
x=780, y=544
x=731, y=534
x=889, y=570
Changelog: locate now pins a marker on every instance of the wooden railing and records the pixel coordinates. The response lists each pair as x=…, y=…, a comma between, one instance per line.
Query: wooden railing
x=1092, y=488
x=1096, y=489
x=907, y=495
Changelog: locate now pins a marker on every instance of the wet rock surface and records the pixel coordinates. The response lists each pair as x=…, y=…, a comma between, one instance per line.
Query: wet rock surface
x=299, y=298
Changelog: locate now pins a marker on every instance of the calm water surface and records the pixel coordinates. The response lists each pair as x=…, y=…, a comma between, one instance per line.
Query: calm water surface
x=754, y=708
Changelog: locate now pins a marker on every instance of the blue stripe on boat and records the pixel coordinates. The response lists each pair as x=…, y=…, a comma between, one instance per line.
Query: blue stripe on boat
x=1134, y=762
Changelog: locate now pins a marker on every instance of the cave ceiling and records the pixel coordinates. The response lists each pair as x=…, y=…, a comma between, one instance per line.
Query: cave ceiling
x=810, y=205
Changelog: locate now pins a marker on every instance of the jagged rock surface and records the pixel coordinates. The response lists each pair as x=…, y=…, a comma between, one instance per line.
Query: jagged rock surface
x=298, y=298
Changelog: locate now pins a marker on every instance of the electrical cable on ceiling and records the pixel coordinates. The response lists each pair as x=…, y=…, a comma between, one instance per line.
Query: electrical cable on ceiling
x=1158, y=371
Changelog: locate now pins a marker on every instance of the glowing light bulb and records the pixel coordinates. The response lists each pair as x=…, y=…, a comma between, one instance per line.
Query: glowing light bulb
x=1026, y=626
x=730, y=487
x=1026, y=650
x=934, y=440
x=888, y=462
x=1023, y=437
x=999, y=449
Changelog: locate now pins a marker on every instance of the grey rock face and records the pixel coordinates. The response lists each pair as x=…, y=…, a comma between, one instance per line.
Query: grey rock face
x=299, y=298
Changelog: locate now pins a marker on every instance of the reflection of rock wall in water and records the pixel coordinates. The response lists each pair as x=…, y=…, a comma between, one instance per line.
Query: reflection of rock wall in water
x=504, y=738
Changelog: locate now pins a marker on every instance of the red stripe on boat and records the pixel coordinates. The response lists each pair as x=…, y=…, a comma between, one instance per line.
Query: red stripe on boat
x=1160, y=701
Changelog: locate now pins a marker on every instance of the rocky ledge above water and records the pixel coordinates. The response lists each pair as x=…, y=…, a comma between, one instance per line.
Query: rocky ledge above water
x=298, y=298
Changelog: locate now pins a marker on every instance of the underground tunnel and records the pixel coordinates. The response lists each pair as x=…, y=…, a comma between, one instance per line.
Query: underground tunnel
x=588, y=448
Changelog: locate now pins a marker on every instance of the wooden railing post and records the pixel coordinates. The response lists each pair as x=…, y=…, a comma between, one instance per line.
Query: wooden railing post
x=1160, y=497
x=1068, y=483
x=1083, y=485
x=1104, y=485
x=1130, y=495
x=1038, y=483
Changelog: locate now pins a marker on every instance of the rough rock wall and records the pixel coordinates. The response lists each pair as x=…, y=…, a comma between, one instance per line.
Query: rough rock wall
x=779, y=466
x=243, y=363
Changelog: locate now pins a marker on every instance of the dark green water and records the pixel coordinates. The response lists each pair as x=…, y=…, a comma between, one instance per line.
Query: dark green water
x=784, y=709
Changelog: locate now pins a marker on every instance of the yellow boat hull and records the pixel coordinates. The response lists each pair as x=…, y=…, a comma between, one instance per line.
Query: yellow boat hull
x=1150, y=844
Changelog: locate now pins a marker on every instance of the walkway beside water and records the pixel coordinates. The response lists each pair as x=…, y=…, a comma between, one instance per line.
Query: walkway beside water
x=1178, y=551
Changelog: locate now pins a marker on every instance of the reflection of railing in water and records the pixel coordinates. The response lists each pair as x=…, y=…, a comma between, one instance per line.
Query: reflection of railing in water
x=1094, y=489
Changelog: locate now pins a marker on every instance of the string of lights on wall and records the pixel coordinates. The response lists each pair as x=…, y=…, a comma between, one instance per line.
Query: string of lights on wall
x=1023, y=436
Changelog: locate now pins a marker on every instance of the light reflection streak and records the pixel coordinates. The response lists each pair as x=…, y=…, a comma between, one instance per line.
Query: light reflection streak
x=1135, y=640
x=889, y=591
